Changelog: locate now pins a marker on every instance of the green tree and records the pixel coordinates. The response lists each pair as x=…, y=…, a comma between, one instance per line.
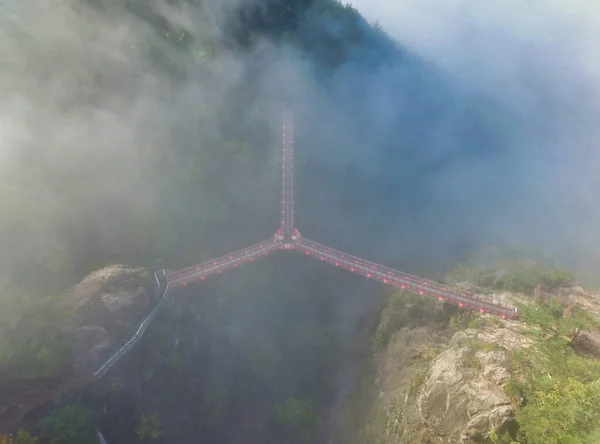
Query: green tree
x=298, y=418
x=72, y=424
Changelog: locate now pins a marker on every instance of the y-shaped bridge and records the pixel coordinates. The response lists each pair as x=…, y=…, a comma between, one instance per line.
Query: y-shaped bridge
x=286, y=237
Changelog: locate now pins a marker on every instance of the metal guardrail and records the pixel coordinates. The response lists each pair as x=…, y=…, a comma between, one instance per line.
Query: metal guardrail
x=403, y=280
x=218, y=265
x=100, y=436
x=208, y=264
x=138, y=334
x=352, y=263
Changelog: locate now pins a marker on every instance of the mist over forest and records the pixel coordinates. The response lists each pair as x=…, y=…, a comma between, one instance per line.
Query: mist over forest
x=109, y=128
x=147, y=133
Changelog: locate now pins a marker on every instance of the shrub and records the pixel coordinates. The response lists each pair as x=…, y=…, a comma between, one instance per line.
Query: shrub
x=541, y=314
x=519, y=276
x=25, y=438
x=513, y=389
x=73, y=424
x=417, y=383
x=298, y=417
x=566, y=411
x=148, y=427
x=560, y=387
x=558, y=278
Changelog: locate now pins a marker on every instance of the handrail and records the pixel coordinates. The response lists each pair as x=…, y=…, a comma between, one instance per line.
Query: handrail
x=100, y=436
x=233, y=259
x=138, y=334
x=403, y=280
x=211, y=263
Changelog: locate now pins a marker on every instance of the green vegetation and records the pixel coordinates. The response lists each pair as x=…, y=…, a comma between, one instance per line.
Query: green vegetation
x=478, y=344
x=298, y=418
x=503, y=438
x=405, y=309
x=160, y=196
x=549, y=316
x=417, y=383
x=469, y=358
x=144, y=272
x=148, y=427
x=564, y=411
x=557, y=389
x=381, y=337
x=24, y=437
x=465, y=318
x=519, y=278
x=29, y=338
x=513, y=270
x=72, y=424
x=272, y=343
x=513, y=389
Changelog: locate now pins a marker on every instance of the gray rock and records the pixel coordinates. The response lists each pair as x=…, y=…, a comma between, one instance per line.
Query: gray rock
x=459, y=402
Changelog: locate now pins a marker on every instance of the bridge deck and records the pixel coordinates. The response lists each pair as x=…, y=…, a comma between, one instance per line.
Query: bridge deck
x=404, y=280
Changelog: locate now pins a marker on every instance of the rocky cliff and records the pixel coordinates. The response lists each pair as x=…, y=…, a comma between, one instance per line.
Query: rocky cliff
x=464, y=378
x=69, y=337
x=431, y=373
x=106, y=307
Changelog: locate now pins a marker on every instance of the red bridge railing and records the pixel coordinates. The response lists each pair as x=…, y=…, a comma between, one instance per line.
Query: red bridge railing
x=218, y=265
x=404, y=280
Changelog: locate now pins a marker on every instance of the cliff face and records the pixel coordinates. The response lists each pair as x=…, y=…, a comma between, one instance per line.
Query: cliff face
x=433, y=373
x=454, y=381
x=80, y=330
x=106, y=307
x=462, y=396
x=440, y=386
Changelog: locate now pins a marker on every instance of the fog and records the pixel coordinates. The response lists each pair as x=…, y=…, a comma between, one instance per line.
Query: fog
x=537, y=61
x=487, y=124
x=91, y=127
x=148, y=133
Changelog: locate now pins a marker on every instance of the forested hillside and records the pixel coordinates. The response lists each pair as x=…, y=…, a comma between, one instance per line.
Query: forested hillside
x=147, y=133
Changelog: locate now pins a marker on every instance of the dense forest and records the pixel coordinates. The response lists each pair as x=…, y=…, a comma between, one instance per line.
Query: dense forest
x=147, y=133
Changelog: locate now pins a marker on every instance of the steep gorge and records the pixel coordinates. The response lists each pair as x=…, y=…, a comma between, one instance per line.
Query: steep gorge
x=155, y=142
x=289, y=368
